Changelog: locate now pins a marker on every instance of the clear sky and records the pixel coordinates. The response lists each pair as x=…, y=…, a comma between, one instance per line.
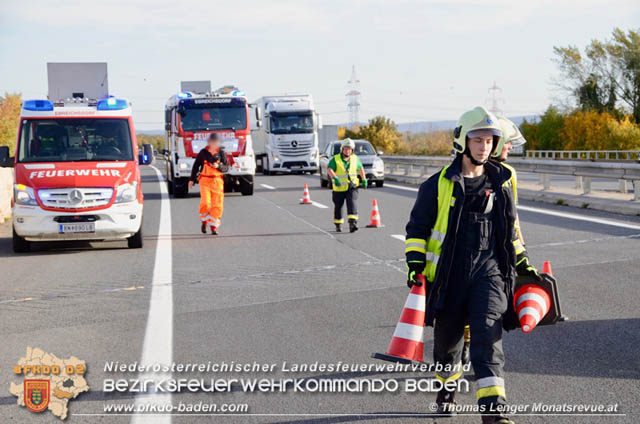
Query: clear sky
x=416, y=60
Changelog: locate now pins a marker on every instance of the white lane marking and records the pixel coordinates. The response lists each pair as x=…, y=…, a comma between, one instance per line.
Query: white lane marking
x=158, y=338
x=567, y=215
x=579, y=217
x=398, y=236
x=268, y=186
x=400, y=187
x=319, y=205
x=583, y=241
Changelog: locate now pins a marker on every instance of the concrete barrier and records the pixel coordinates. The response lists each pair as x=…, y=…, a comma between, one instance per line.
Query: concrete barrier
x=6, y=192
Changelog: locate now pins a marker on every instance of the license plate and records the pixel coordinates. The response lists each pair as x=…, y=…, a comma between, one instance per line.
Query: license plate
x=84, y=227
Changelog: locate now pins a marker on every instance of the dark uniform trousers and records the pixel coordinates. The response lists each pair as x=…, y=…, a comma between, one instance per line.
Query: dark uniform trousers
x=351, y=197
x=475, y=294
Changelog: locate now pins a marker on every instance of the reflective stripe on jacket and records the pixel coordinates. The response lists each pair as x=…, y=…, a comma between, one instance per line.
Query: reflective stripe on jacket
x=346, y=177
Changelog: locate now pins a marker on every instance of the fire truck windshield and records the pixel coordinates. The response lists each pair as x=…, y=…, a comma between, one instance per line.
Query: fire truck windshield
x=286, y=123
x=71, y=140
x=214, y=118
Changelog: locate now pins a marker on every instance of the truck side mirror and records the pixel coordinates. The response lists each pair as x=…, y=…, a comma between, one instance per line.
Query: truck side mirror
x=167, y=126
x=258, y=123
x=258, y=113
x=380, y=152
x=319, y=121
x=5, y=160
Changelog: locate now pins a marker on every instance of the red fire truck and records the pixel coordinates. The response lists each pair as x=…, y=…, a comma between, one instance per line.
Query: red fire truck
x=76, y=164
x=190, y=116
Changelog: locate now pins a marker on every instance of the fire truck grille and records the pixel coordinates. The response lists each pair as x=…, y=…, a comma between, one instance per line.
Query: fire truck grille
x=75, y=198
x=295, y=148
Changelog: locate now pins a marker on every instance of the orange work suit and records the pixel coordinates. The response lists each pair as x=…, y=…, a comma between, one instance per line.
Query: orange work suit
x=211, y=195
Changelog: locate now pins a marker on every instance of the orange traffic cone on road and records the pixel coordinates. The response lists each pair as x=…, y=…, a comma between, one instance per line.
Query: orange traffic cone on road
x=306, y=199
x=546, y=268
x=375, y=216
x=532, y=304
x=407, y=342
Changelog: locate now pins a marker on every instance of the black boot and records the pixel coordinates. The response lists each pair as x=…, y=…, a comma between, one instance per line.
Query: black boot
x=214, y=231
x=203, y=228
x=352, y=226
x=496, y=419
x=446, y=402
x=338, y=228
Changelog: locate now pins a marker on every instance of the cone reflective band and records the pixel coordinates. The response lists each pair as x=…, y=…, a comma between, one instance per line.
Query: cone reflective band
x=375, y=216
x=532, y=303
x=306, y=199
x=407, y=341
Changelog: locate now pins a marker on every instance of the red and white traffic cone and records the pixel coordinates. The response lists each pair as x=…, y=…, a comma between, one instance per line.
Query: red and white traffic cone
x=306, y=199
x=407, y=342
x=532, y=303
x=375, y=216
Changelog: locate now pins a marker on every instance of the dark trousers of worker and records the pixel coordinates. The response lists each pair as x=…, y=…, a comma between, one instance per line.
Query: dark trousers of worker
x=475, y=295
x=339, y=198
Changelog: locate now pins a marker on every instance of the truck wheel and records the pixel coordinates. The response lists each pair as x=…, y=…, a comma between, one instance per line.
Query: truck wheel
x=323, y=183
x=170, y=187
x=246, y=186
x=379, y=183
x=20, y=245
x=136, y=241
x=180, y=187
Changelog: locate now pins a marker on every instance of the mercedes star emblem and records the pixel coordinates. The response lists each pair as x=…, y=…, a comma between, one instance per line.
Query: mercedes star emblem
x=75, y=196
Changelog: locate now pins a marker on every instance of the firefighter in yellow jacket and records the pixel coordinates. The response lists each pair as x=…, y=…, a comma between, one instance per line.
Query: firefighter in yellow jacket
x=208, y=170
x=511, y=138
x=343, y=169
x=460, y=235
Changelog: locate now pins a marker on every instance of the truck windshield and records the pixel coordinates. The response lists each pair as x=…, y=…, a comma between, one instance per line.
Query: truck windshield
x=282, y=123
x=214, y=118
x=71, y=140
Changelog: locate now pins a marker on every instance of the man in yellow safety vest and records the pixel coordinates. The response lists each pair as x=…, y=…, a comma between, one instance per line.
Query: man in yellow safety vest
x=343, y=171
x=511, y=138
x=460, y=236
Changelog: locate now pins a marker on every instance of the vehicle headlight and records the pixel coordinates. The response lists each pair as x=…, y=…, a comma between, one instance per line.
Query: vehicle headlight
x=24, y=195
x=378, y=164
x=183, y=165
x=127, y=193
x=276, y=157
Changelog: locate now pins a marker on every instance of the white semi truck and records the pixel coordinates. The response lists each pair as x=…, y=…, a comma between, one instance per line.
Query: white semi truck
x=285, y=134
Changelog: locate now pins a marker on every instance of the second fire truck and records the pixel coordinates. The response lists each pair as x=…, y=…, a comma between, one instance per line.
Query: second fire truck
x=190, y=116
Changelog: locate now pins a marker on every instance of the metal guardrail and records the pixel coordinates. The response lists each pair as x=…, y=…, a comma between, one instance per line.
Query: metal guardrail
x=593, y=155
x=418, y=168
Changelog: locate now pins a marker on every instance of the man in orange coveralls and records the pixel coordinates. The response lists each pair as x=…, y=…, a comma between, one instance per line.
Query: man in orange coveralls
x=207, y=170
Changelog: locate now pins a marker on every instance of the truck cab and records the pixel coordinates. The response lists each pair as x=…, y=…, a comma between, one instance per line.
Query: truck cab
x=77, y=174
x=190, y=117
x=285, y=134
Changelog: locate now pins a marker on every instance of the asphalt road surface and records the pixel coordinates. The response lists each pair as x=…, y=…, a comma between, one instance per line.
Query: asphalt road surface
x=279, y=285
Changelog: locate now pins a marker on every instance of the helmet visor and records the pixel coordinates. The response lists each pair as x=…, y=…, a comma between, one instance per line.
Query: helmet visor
x=517, y=141
x=484, y=132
